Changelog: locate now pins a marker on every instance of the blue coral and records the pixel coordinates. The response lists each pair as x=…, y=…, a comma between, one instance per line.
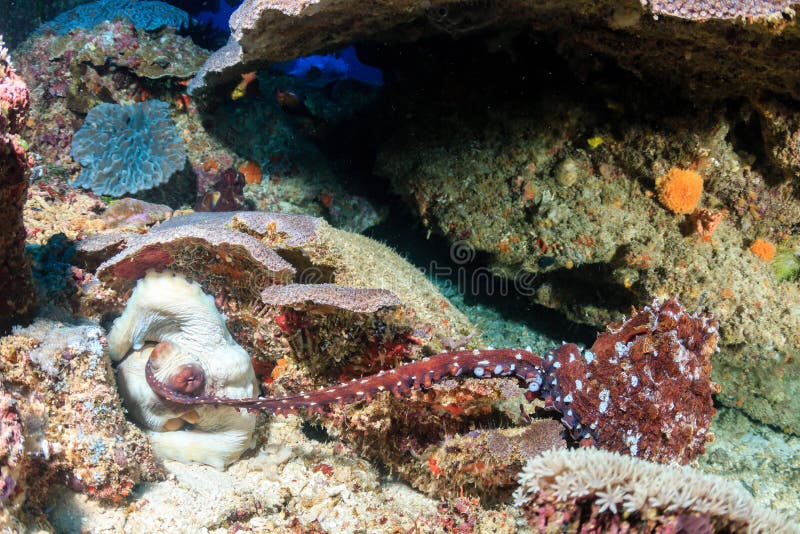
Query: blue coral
x=145, y=15
x=125, y=149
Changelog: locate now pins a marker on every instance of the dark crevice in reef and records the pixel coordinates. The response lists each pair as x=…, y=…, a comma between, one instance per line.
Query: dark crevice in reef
x=473, y=281
x=475, y=78
x=473, y=75
x=589, y=289
x=316, y=432
x=307, y=271
x=745, y=135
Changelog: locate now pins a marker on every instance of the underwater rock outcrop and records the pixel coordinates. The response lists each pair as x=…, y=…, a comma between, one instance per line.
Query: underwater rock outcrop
x=703, y=37
x=16, y=288
x=589, y=220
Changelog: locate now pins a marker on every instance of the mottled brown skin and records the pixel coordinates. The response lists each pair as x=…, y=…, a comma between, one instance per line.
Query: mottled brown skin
x=663, y=414
x=647, y=387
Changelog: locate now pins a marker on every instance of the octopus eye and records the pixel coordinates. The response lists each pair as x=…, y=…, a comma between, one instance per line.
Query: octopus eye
x=161, y=352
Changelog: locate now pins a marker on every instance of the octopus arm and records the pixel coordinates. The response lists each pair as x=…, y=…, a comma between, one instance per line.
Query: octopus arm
x=524, y=365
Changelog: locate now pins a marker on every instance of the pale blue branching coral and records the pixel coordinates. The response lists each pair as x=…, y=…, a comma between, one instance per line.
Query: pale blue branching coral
x=145, y=15
x=127, y=148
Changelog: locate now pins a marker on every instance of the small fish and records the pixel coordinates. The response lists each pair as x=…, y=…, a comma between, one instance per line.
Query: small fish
x=241, y=89
x=291, y=103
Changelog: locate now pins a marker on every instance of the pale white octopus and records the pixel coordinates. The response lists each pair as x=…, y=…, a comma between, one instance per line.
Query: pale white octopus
x=193, y=351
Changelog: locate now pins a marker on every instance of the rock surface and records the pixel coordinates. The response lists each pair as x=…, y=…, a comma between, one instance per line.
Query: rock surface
x=16, y=289
x=597, y=237
x=642, y=38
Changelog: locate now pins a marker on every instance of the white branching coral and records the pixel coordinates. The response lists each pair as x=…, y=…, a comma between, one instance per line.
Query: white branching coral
x=613, y=483
x=173, y=319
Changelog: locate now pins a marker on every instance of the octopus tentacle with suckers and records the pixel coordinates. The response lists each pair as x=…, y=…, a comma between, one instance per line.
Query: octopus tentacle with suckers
x=171, y=323
x=643, y=388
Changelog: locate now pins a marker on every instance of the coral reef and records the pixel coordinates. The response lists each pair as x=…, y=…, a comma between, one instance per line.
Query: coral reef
x=124, y=149
x=117, y=62
x=171, y=322
x=598, y=491
x=148, y=15
x=587, y=156
x=70, y=416
x=598, y=242
x=112, y=62
x=16, y=304
x=644, y=387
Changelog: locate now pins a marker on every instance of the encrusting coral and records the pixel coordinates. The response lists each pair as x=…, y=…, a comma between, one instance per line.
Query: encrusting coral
x=595, y=491
x=171, y=322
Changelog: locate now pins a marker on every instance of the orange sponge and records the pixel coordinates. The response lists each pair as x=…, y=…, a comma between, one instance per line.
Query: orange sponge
x=679, y=190
x=251, y=172
x=763, y=249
